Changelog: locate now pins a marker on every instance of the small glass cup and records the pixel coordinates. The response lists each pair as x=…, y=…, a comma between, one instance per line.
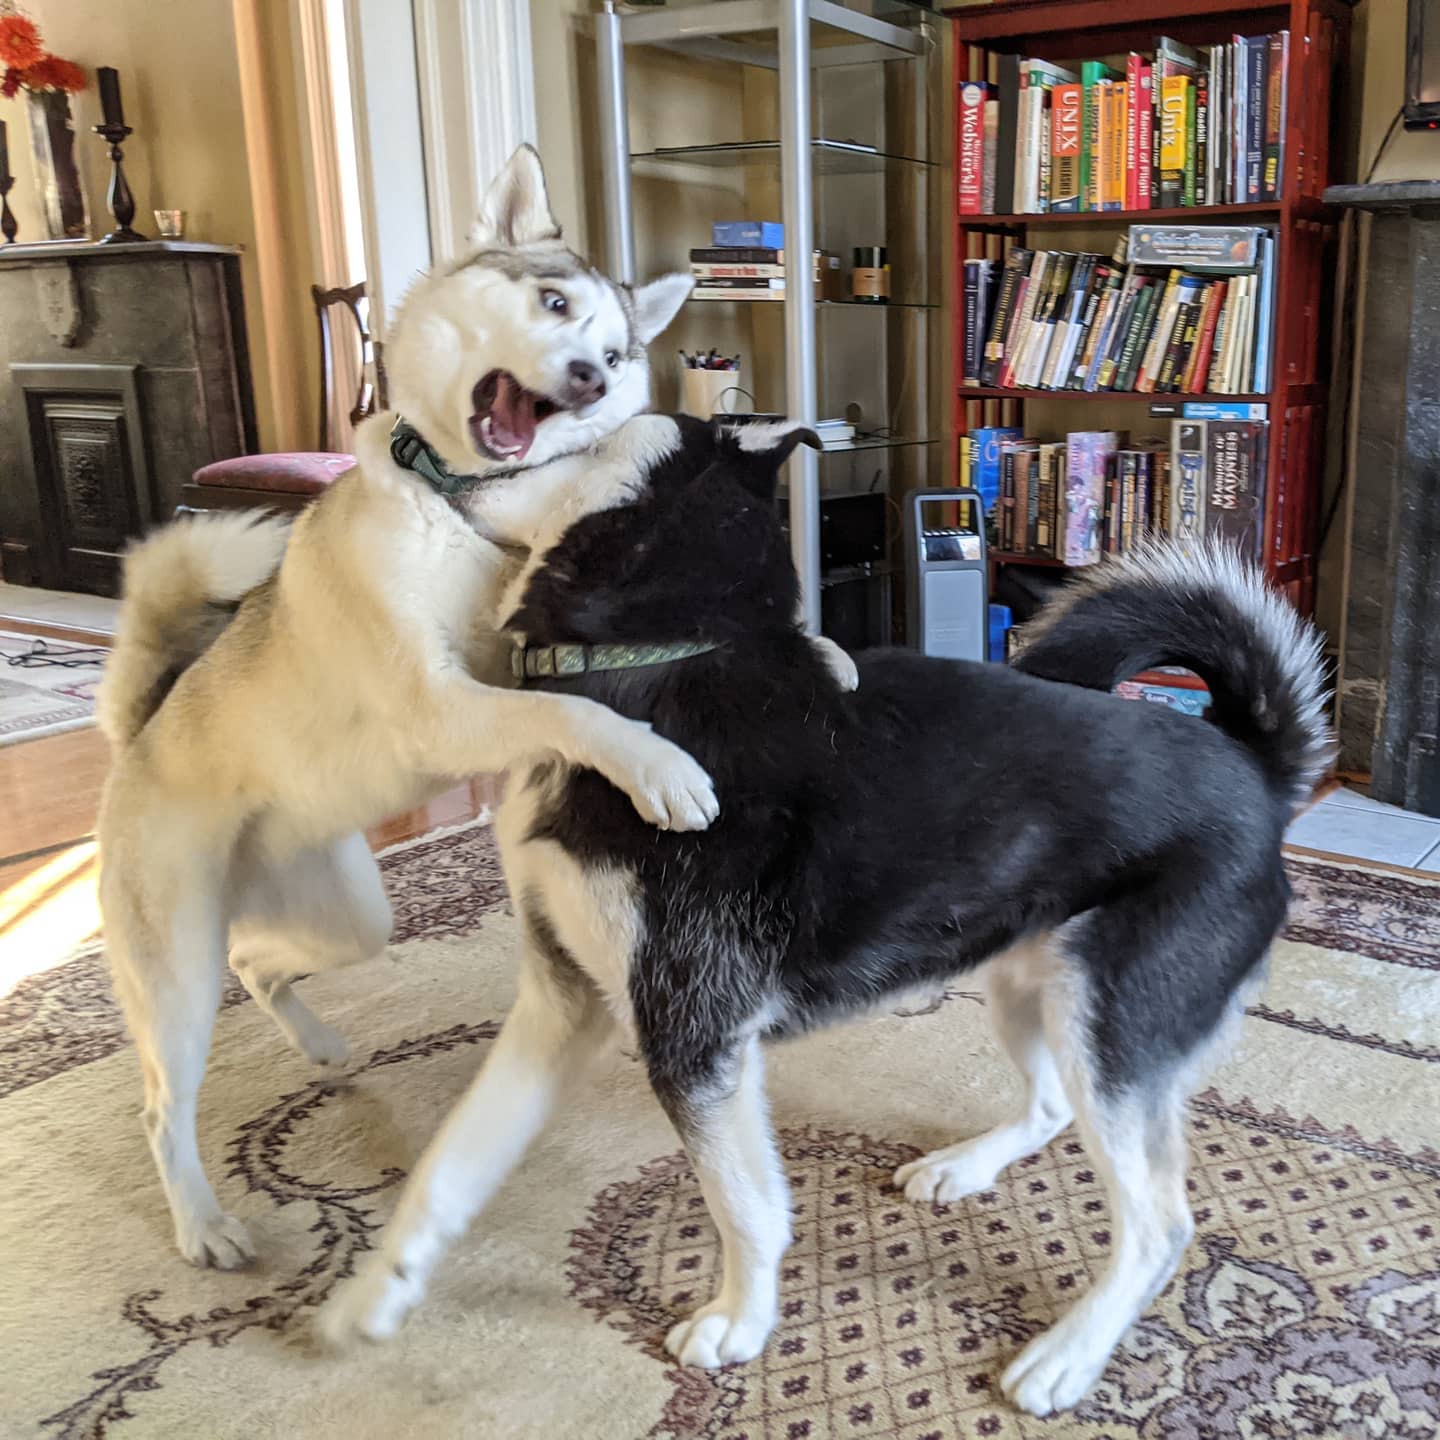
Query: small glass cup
x=171, y=224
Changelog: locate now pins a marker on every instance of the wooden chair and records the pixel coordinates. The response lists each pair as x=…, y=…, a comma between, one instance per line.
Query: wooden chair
x=290, y=480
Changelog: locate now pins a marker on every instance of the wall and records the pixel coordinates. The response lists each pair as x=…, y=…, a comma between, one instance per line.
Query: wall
x=180, y=80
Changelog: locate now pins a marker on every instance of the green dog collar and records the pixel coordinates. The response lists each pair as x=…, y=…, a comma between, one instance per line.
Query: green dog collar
x=536, y=662
x=410, y=451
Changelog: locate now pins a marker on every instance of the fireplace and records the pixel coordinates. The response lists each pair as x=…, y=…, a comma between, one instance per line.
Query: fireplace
x=1388, y=678
x=125, y=370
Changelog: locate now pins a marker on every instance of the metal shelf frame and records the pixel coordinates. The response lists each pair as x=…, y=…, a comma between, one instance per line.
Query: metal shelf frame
x=708, y=30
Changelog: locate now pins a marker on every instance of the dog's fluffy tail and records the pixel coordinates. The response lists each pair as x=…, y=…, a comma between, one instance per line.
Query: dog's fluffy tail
x=1211, y=612
x=181, y=587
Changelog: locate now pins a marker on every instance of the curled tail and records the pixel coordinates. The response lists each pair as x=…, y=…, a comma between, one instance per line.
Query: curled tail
x=1211, y=612
x=181, y=588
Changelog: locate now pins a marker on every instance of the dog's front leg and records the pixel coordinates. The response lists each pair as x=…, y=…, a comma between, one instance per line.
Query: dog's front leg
x=546, y=1040
x=472, y=728
x=837, y=661
x=729, y=1141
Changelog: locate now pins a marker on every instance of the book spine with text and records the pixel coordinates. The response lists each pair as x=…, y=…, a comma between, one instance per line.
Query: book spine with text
x=1016, y=265
x=1255, y=63
x=1173, y=105
x=1145, y=140
x=1277, y=66
x=970, y=163
x=1065, y=139
x=1187, y=483
x=1113, y=197
x=1202, y=139
x=1233, y=491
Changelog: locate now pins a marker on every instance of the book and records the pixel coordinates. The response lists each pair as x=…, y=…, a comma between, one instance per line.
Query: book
x=970, y=161
x=1038, y=78
x=1211, y=409
x=737, y=255
x=1198, y=365
x=741, y=282
x=988, y=440
x=718, y=292
x=1202, y=139
x=1092, y=74
x=1045, y=510
x=1277, y=57
x=1086, y=455
x=990, y=156
x=1256, y=49
x=1007, y=115
x=1065, y=137
x=1138, y=337
x=1265, y=313
x=1187, y=484
x=1201, y=247
x=1017, y=264
x=1026, y=301
x=1160, y=336
x=1175, y=99
x=765, y=233
x=1137, y=93
x=977, y=289
x=1234, y=485
x=1114, y=103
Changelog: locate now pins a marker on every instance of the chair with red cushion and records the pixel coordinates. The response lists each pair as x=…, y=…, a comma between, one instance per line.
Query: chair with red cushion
x=291, y=479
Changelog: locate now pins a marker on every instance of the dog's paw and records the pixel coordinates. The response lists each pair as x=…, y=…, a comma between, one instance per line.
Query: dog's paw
x=217, y=1242
x=1055, y=1370
x=843, y=669
x=712, y=1337
x=672, y=790
x=370, y=1306
x=324, y=1046
x=943, y=1176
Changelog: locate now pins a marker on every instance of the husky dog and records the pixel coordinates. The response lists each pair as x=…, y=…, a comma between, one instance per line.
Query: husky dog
x=1115, y=868
x=273, y=690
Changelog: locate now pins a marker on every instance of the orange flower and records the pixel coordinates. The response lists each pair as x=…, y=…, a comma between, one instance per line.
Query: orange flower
x=19, y=41
x=50, y=72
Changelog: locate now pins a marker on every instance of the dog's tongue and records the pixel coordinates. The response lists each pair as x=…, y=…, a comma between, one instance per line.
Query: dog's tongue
x=512, y=417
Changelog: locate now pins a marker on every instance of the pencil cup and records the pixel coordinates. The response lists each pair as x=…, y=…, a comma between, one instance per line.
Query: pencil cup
x=711, y=392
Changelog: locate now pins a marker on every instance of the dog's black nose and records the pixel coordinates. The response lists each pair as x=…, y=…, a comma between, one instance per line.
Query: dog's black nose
x=586, y=384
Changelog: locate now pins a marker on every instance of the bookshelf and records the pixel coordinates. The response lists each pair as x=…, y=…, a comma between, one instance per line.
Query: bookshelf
x=1068, y=31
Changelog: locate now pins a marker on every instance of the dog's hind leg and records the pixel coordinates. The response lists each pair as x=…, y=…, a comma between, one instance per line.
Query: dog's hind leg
x=1137, y=1143
x=727, y=1135
x=169, y=987
x=1015, y=985
x=318, y=910
x=556, y=1026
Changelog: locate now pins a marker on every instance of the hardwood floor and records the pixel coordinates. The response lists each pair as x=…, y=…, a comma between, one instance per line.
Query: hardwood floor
x=50, y=795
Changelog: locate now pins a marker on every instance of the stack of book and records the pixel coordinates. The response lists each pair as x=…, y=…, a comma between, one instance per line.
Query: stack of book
x=1191, y=311
x=754, y=272
x=1182, y=126
x=1094, y=493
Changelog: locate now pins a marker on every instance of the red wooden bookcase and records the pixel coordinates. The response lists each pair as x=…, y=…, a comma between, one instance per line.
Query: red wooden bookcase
x=1073, y=30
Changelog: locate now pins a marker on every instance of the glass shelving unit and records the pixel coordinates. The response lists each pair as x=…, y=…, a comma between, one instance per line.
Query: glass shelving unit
x=846, y=148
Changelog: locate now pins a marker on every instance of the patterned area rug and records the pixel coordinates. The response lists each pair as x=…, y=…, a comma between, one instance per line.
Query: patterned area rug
x=45, y=686
x=1309, y=1304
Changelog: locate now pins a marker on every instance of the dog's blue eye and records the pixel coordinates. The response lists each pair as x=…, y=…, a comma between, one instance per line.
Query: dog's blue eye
x=555, y=302
x=612, y=358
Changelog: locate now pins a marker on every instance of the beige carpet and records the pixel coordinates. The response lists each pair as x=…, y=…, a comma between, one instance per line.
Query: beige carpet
x=46, y=686
x=1309, y=1304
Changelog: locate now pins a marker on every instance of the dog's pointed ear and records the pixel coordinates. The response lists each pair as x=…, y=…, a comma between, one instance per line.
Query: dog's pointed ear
x=516, y=208
x=760, y=451
x=657, y=304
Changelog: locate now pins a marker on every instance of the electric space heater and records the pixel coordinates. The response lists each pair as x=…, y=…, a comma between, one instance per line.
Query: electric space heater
x=947, y=614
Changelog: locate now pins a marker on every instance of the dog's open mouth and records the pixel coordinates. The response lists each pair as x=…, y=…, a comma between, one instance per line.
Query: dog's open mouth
x=506, y=416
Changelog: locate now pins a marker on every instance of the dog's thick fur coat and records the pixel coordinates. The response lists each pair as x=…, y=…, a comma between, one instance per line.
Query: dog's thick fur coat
x=1114, y=867
x=272, y=692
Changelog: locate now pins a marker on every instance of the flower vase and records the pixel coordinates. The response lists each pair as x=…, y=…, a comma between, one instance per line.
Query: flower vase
x=57, y=170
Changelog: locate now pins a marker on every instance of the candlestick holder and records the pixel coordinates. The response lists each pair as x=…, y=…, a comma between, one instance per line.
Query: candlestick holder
x=121, y=201
x=8, y=227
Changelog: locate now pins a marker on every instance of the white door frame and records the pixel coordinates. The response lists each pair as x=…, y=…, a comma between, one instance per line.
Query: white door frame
x=477, y=99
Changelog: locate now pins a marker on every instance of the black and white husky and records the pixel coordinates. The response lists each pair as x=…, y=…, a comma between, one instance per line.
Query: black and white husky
x=1115, y=868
